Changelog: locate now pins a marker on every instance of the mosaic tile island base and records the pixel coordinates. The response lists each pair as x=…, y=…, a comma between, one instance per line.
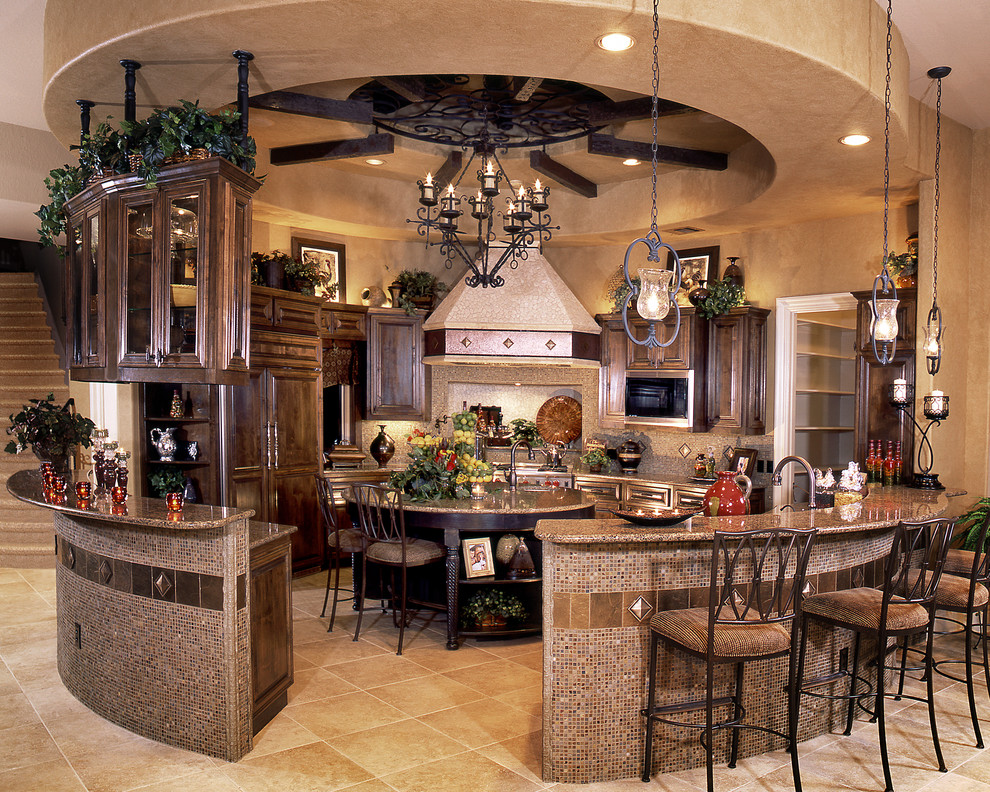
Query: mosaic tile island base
x=604, y=579
x=153, y=616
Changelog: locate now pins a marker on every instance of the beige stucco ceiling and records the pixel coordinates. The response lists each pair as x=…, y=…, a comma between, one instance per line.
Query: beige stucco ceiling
x=789, y=78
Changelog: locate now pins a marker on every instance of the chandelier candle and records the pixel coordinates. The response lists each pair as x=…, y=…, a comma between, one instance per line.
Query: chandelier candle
x=428, y=191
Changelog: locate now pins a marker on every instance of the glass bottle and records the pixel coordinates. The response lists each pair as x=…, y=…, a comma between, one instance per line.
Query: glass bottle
x=898, y=463
x=888, y=465
x=871, y=461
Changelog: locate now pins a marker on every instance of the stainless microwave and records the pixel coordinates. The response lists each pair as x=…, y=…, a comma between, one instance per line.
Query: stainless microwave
x=660, y=398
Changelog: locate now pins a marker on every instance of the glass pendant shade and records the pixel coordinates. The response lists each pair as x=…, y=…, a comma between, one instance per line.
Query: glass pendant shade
x=885, y=322
x=653, y=302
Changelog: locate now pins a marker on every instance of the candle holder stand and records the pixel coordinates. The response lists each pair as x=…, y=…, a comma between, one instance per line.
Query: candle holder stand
x=936, y=409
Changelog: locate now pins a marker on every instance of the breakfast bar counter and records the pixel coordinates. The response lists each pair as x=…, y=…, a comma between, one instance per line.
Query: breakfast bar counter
x=176, y=626
x=603, y=580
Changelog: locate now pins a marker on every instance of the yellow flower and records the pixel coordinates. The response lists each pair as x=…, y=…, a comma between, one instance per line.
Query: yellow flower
x=461, y=478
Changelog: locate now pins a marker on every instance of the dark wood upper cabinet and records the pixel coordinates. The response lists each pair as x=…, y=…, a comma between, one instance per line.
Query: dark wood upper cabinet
x=158, y=280
x=397, y=381
x=907, y=310
x=736, y=378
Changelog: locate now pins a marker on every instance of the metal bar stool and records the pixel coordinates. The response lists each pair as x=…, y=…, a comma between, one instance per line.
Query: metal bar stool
x=756, y=580
x=383, y=527
x=903, y=607
x=340, y=542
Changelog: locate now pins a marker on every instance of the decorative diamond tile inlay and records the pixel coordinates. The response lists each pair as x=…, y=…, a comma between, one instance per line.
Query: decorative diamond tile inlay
x=465, y=342
x=727, y=453
x=550, y=344
x=684, y=450
x=858, y=578
x=640, y=609
x=507, y=343
x=72, y=558
x=809, y=589
x=163, y=584
x=106, y=572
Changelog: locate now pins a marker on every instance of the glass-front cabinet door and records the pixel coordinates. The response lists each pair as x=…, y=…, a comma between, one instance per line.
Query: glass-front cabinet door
x=184, y=331
x=86, y=309
x=138, y=281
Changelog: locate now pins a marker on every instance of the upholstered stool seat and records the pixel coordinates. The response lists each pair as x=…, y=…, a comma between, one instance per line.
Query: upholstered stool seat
x=860, y=609
x=953, y=594
x=347, y=540
x=959, y=562
x=689, y=629
x=418, y=552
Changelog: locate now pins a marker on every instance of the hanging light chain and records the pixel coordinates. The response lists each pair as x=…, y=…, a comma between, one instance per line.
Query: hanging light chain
x=886, y=140
x=938, y=152
x=655, y=112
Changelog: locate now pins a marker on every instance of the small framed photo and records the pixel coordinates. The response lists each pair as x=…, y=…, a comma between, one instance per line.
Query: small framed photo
x=697, y=265
x=743, y=461
x=329, y=257
x=478, y=561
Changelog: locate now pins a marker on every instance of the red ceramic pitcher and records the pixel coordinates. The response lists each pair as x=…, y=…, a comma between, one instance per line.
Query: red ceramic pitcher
x=725, y=498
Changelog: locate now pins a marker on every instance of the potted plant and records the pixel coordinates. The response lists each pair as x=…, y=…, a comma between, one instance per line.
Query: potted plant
x=973, y=521
x=305, y=276
x=103, y=152
x=525, y=430
x=52, y=432
x=419, y=290
x=904, y=266
x=595, y=459
x=617, y=294
x=492, y=609
x=723, y=295
x=165, y=479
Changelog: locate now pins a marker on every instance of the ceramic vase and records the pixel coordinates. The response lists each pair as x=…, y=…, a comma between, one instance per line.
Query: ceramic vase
x=725, y=498
x=630, y=453
x=382, y=447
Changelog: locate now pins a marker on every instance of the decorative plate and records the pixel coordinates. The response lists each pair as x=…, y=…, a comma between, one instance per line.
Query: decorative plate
x=655, y=518
x=559, y=419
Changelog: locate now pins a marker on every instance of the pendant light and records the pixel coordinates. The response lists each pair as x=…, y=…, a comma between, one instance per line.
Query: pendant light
x=884, y=302
x=933, y=327
x=655, y=292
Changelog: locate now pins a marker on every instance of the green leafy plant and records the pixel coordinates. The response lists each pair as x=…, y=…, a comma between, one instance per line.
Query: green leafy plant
x=165, y=479
x=50, y=430
x=308, y=276
x=418, y=283
x=62, y=183
x=903, y=264
x=489, y=606
x=617, y=295
x=525, y=430
x=103, y=151
x=723, y=296
x=974, y=518
x=596, y=456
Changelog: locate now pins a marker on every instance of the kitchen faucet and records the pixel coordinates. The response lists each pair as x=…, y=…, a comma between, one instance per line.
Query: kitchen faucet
x=513, y=476
x=775, y=479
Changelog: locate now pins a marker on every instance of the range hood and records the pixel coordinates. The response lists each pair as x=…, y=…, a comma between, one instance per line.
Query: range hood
x=533, y=319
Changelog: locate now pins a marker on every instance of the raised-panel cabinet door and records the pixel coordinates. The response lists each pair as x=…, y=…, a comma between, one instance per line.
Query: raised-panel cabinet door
x=725, y=358
x=613, y=375
x=297, y=504
x=294, y=416
x=396, y=373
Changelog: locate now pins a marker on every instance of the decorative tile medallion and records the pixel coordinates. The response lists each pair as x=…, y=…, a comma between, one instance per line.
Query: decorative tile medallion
x=727, y=453
x=684, y=450
x=507, y=343
x=465, y=342
x=106, y=571
x=810, y=589
x=640, y=609
x=163, y=584
x=550, y=344
x=858, y=577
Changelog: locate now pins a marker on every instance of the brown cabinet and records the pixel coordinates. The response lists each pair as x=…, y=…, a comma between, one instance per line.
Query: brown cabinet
x=157, y=280
x=271, y=627
x=397, y=381
x=875, y=418
x=737, y=371
x=343, y=322
x=275, y=447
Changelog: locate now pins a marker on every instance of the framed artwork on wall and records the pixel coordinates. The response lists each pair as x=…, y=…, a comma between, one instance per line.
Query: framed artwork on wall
x=329, y=257
x=743, y=461
x=697, y=265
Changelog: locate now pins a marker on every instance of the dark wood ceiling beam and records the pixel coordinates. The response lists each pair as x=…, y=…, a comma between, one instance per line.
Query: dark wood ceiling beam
x=373, y=145
x=314, y=106
x=609, y=146
x=411, y=88
x=564, y=176
x=524, y=92
x=634, y=110
x=450, y=168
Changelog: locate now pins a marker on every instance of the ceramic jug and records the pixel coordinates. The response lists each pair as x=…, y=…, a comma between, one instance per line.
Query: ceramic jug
x=629, y=454
x=725, y=498
x=164, y=442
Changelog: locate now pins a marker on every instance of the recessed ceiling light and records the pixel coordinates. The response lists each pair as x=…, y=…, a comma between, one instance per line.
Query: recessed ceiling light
x=615, y=42
x=854, y=140
x=375, y=161
x=630, y=162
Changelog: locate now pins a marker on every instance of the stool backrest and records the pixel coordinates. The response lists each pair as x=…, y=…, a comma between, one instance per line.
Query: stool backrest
x=915, y=563
x=328, y=506
x=757, y=575
x=981, y=558
x=380, y=512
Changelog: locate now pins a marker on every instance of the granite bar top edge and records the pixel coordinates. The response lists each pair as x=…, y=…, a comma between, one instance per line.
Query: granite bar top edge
x=882, y=508
x=505, y=502
x=261, y=533
x=25, y=485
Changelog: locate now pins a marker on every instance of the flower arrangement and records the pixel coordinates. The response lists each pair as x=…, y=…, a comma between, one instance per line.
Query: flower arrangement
x=437, y=472
x=492, y=607
x=50, y=430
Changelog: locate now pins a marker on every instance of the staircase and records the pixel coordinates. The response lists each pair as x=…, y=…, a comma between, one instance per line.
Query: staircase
x=29, y=369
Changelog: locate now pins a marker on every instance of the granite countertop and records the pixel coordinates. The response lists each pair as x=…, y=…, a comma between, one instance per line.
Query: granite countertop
x=581, y=471
x=882, y=507
x=26, y=485
x=522, y=501
x=260, y=533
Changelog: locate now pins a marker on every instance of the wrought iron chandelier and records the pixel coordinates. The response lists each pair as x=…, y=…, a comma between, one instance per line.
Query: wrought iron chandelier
x=884, y=302
x=933, y=327
x=499, y=114
x=656, y=287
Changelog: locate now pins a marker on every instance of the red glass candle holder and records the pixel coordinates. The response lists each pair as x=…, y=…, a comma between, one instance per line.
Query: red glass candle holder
x=59, y=485
x=118, y=508
x=173, y=500
x=118, y=494
x=83, y=490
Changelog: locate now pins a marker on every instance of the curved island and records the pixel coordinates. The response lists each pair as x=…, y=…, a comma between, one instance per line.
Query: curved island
x=604, y=579
x=156, y=625
x=498, y=512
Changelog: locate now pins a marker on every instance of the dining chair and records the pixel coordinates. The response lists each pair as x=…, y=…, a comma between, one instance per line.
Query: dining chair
x=903, y=606
x=340, y=542
x=755, y=584
x=384, y=542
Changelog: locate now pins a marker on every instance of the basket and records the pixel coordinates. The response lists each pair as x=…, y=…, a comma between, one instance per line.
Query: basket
x=190, y=156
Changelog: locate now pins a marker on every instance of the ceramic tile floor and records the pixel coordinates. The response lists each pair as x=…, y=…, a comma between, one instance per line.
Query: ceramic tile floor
x=360, y=718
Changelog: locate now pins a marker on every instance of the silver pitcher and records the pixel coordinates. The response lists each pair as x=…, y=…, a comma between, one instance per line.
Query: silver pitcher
x=164, y=442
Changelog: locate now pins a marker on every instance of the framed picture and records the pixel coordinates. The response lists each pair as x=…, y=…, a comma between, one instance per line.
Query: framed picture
x=743, y=461
x=329, y=257
x=478, y=561
x=697, y=265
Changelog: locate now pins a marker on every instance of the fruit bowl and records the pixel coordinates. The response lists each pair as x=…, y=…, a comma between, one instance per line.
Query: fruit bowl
x=660, y=517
